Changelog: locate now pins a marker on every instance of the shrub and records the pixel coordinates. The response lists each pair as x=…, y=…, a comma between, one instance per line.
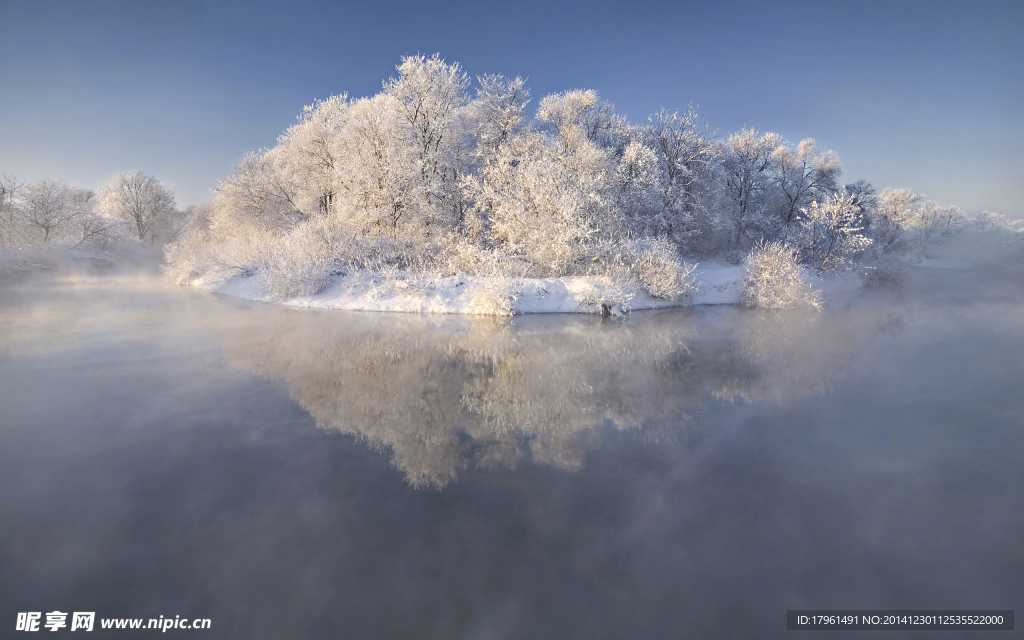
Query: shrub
x=612, y=297
x=494, y=296
x=186, y=260
x=299, y=265
x=661, y=273
x=651, y=264
x=775, y=279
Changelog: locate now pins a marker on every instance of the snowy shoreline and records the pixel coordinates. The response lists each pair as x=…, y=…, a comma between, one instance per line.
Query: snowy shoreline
x=463, y=294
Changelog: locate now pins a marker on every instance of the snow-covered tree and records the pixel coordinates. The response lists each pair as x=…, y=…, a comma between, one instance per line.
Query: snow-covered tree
x=864, y=195
x=89, y=227
x=47, y=207
x=990, y=222
x=580, y=116
x=749, y=164
x=258, y=192
x=138, y=198
x=804, y=174
x=829, y=235
x=307, y=158
x=933, y=222
x=381, y=176
x=428, y=95
x=547, y=202
x=10, y=192
x=687, y=158
x=497, y=113
x=638, y=190
x=892, y=217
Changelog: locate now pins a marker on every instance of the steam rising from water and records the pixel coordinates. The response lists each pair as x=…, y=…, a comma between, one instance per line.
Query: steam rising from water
x=443, y=393
x=699, y=470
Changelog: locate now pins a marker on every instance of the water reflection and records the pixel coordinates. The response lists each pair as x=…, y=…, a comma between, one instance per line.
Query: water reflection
x=442, y=393
x=144, y=474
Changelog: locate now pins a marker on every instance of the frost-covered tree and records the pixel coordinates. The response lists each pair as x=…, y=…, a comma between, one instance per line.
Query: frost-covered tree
x=138, y=198
x=933, y=222
x=580, y=115
x=638, y=190
x=687, y=158
x=91, y=228
x=47, y=207
x=548, y=202
x=491, y=121
x=550, y=195
x=497, y=113
x=10, y=192
x=892, y=217
x=749, y=164
x=382, y=177
x=991, y=222
x=307, y=158
x=804, y=174
x=864, y=195
x=428, y=95
x=259, y=192
x=829, y=235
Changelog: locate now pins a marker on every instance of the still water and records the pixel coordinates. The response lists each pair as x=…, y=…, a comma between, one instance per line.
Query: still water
x=691, y=473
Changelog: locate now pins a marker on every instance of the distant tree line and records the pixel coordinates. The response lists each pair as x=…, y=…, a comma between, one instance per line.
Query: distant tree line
x=133, y=205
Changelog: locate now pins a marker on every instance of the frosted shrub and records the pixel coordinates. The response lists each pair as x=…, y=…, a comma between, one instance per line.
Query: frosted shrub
x=458, y=256
x=494, y=296
x=775, y=280
x=463, y=257
x=186, y=260
x=661, y=273
x=611, y=296
x=244, y=252
x=651, y=264
x=299, y=265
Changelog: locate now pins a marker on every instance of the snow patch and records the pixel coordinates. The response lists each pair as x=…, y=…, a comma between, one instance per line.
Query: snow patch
x=460, y=294
x=719, y=283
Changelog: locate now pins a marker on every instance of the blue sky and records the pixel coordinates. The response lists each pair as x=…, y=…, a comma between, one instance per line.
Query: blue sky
x=927, y=95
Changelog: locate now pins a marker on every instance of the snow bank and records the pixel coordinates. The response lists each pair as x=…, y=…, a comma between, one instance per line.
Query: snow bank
x=454, y=294
x=362, y=291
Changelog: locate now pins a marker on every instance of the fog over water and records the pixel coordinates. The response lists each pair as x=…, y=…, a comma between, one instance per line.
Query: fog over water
x=684, y=473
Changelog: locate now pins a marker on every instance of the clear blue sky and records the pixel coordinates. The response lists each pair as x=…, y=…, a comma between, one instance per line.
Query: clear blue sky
x=927, y=95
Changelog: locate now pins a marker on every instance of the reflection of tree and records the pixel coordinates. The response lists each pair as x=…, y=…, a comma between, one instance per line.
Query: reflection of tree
x=793, y=354
x=441, y=392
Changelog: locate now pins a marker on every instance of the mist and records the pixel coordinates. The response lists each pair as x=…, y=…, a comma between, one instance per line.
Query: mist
x=299, y=472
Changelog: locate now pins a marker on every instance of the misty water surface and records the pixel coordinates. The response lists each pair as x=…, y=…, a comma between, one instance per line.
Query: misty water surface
x=687, y=473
